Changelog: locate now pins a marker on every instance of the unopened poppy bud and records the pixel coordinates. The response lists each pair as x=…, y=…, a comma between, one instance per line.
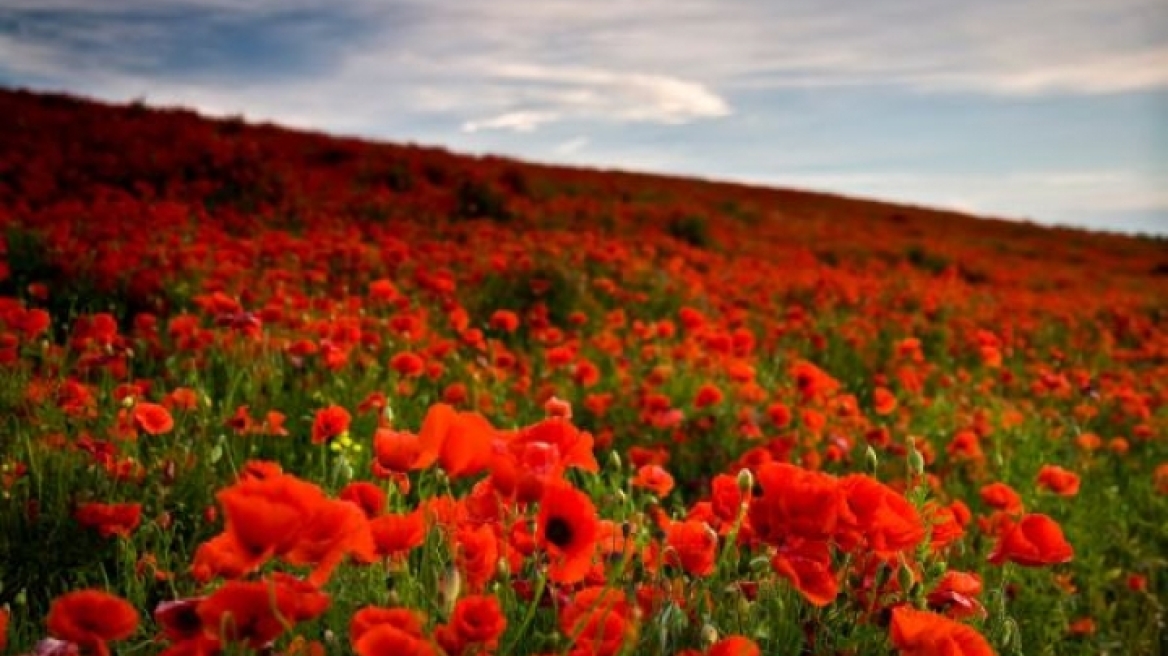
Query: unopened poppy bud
x=905, y=578
x=451, y=587
x=615, y=459
x=709, y=635
x=871, y=458
x=745, y=481
x=916, y=461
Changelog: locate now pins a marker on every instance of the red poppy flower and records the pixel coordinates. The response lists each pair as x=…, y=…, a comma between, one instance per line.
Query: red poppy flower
x=407, y=364
x=330, y=423
x=1002, y=497
x=460, y=441
x=956, y=595
x=394, y=535
x=477, y=555
x=734, y=645
x=797, y=502
x=921, y=633
x=1034, y=541
x=387, y=639
x=707, y=395
x=395, y=451
x=807, y=565
x=478, y=619
x=883, y=401
x=368, y=497
x=884, y=520
x=598, y=620
x=655, y=479
x=504, y=320
x=405, y=619
x=110, y=519
x=567, y=527
x=694, y=546
x=91, y=618
x=257, y=612
x=1058, y=480
x=153, y=418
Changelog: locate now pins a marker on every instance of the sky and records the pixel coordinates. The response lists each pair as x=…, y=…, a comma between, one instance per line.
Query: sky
x=1054, y=111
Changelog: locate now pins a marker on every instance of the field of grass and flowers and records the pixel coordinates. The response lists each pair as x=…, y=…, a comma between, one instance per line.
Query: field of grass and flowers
x=265, y=391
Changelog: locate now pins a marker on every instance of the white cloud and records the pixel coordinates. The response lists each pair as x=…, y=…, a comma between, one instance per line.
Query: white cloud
x=517, y=121
x=571, y=146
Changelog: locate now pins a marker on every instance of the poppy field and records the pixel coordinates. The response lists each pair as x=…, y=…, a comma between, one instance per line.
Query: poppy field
x=268, y=391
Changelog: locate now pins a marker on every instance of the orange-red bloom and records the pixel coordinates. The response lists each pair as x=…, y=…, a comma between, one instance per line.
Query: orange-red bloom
x=694, y=546
x=655, y=479
x=1058, y=480
x=734, y=645
x=257, y=612
x=921, y=633
x=478, y=620
x=153, y=418
x=91, y=618
x=1034, y=541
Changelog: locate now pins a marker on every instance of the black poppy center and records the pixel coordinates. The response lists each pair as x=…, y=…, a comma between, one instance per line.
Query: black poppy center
x=558, y=532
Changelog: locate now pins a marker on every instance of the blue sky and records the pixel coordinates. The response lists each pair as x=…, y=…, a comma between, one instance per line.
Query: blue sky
x=1048, y=110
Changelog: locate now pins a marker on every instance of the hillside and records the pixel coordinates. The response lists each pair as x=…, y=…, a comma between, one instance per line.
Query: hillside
x=282, y=376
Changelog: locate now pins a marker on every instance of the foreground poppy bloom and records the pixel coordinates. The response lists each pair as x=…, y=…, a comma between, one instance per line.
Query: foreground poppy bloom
x=388, y=639
x=598, y=619
x=91, y=618
x=478, y=620
x=921, y=633
x=796, y=502
x=459, y=441
x=257, y=612
x=694, y=546
x=808, y=568
x=371, y=617
x=734, y=645
x=1034, y=541
x=567, y=527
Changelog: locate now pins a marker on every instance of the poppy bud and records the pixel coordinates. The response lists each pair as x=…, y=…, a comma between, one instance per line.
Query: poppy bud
x=709, y=635
x=916, y=461
x=872, y=460
x=745, y=481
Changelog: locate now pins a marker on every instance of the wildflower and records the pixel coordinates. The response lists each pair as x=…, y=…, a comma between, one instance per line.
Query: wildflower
x=567, y=527
x=734, y=645
x=153, y=418
x=694, y=546
x=91, y=618
x=110, y=519
x=1033, y=541
x=257, y=612
x=330, y=423
x=1058, y=480
x=478, y=620
x=921, y=633
x=655, y=479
